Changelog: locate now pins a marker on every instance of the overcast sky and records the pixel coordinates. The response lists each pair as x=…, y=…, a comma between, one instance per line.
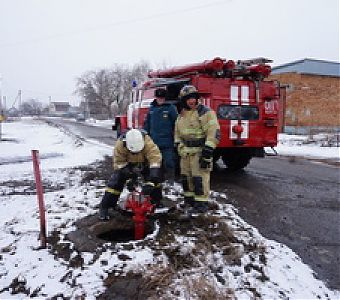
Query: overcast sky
x=46, y=44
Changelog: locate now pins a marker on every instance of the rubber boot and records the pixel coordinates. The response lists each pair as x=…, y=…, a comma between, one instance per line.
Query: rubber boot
x=109, y=200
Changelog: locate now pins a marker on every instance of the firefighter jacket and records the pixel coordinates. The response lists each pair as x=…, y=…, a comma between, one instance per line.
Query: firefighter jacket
x=195, y=128
x=150, y=155
x=160, y=124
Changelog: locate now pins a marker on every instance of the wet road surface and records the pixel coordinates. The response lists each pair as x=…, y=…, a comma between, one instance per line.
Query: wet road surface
x=87, y=131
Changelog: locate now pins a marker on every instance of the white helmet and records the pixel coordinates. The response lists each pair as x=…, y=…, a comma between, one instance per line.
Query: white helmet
x=134, y=140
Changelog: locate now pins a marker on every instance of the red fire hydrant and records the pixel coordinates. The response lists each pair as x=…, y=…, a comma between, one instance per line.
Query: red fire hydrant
x=140, y=206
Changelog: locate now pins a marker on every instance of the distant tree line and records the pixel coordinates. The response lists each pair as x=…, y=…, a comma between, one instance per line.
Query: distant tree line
x=106, y=92
x=32, y=107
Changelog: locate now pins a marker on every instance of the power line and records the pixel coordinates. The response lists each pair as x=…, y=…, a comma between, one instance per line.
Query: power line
x=48, y=94
x=110, y=25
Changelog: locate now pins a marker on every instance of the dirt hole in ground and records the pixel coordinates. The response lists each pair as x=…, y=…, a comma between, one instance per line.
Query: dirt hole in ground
x=121, y=228
x=123, y=234
x=92, y=234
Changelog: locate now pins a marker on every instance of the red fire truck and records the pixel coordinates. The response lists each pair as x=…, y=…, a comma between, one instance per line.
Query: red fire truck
x=249, y=107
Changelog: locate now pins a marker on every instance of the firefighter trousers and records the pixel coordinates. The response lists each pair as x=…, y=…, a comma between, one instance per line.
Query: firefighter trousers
x=195, y=180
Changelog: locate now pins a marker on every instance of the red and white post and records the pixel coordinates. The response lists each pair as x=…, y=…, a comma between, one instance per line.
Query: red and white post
x=40, y=196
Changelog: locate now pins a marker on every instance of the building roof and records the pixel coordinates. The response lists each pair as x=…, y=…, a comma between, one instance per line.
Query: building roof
x=309, y=66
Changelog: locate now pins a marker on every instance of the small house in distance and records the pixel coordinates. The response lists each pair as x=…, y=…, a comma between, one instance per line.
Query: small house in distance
x=313, y=95
x=59, y=108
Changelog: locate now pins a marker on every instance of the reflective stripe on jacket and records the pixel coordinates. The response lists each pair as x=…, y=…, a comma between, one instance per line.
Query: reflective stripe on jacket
x=199, y=124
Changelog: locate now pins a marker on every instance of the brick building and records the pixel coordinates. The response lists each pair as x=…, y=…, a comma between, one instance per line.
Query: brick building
x=313, y=95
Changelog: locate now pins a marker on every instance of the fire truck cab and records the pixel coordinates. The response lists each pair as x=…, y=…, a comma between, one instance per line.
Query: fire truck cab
x=249, y=107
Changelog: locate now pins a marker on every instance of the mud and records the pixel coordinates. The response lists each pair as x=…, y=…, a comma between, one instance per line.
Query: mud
x=211, y=234
x=101, y=170
x=93, y=236
x=27, y=187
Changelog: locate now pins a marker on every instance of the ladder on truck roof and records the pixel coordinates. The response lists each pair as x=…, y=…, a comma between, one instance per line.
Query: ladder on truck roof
x=254, y=61
x=255, y=68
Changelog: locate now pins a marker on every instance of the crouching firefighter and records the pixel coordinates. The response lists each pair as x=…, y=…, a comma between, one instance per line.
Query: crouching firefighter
x=134, y=149
x=197, y=132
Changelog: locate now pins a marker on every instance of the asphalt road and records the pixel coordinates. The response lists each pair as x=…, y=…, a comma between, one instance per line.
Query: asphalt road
x=82, y=129
x=293, y=201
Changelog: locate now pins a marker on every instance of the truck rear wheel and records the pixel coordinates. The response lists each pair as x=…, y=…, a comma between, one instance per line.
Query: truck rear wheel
x=235, y=162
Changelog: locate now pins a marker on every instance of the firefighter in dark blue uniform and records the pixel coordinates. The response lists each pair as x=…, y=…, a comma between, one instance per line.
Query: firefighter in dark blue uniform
x=160, y=124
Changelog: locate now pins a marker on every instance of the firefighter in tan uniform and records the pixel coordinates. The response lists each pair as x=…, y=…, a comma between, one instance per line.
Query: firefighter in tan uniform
x=134, y=150
x=197, y=132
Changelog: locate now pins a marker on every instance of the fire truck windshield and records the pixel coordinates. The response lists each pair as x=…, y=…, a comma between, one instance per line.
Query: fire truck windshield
x=238, y=112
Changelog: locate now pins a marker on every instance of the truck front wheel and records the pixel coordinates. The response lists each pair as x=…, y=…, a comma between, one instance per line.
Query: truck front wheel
x=118, y=129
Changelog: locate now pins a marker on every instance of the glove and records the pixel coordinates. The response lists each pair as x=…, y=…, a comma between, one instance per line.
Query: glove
x=207, y=152
x=135, y=171
x=130, y=185
x=129, y=172
x=125, y=172
x=206, y=157
x=204, y=163
x=147, y=189
x=155, y=175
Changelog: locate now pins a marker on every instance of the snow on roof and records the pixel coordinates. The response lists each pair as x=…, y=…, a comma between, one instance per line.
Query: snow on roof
x=309, y=66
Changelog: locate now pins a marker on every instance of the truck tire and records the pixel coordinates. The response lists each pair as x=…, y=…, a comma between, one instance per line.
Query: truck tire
x=235, y=162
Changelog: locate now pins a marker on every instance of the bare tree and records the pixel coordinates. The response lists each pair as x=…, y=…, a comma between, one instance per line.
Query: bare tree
x=31, y=107
x=100, y=89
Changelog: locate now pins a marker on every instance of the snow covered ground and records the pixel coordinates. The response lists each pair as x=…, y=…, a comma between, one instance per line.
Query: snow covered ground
x=275, y=272
x=317, y=146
